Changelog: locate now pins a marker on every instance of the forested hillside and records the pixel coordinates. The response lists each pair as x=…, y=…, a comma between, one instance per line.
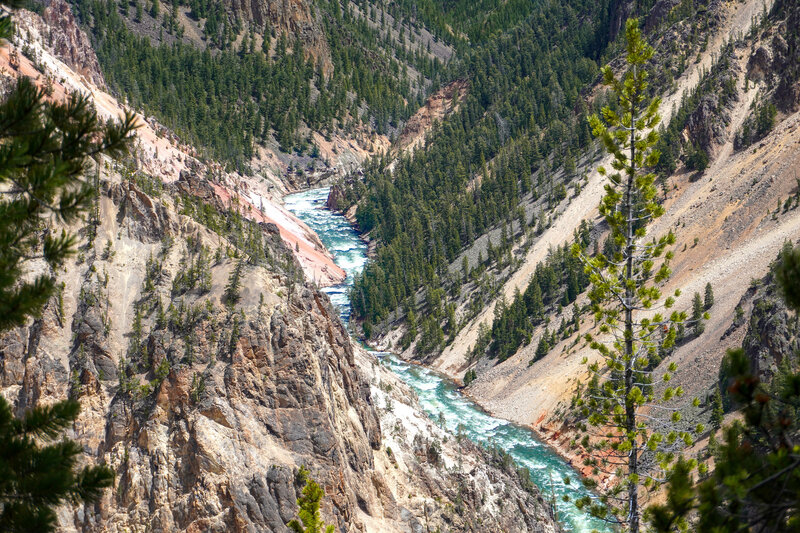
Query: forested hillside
x=504, y=310
x=514, y=141
x=230, y=83
x=452, y=221
x=702, y=122
x=524, y=92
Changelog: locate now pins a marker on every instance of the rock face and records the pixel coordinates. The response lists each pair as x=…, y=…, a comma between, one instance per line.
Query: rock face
x=759, y=64
x=708, y=122
x=772, y=332
x=316, y=261
x=440, y=104
x=458, y=484
x=707, y=126
x=659, y=13
x=297, y=18
x=786, y=50
x=620, y=11
x=68, y=41
x=206, y=405
x=204, y=410
x=335, y=198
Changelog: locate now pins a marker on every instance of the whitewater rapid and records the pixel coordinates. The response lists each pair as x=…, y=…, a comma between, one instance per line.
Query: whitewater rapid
x=438, y=396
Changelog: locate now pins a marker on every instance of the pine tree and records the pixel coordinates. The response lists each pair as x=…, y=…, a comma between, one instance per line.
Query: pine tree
x=45, y=146
x=698, y=316
x=708, y=301
x=470, y=376
x=533, y=296
x=788, y=275
x=717, y=410
x=38, y=474
x=623, y=289
x=231, y=294
x=544, y=346
x=310, y=519
x=411, y=320
x=755, y=485
x=265, y=43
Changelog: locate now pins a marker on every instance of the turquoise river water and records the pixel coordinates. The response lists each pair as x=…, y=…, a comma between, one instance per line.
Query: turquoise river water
x=437, y=394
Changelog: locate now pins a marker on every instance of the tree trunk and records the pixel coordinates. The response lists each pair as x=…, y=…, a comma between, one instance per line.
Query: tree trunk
x=630, y=410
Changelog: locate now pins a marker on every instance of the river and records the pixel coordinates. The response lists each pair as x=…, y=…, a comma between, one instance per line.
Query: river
x=437, y=394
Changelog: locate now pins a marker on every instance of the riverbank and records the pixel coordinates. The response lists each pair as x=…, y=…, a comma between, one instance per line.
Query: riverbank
x=439, y=396
x=554, y=434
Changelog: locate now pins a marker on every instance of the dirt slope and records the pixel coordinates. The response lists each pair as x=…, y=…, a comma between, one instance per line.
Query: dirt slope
x=727, y=235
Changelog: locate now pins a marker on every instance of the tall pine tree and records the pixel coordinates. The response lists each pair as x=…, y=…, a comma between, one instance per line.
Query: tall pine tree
x=624, y=441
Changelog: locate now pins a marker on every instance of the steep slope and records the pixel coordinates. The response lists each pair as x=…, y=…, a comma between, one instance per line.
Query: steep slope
x=38, y=53
x=458, y=219
x=203, y=410
x=585, y=204
x=293, y=91
x=728, y=231
x=476, y=167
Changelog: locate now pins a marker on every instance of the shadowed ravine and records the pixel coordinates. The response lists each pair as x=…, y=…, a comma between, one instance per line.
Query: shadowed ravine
x=438, y=395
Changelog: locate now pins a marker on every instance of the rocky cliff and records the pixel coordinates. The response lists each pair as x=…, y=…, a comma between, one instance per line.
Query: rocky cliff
x=68, y=41
x=439, y=105
x=299, y=19
x=771, y=338
x=204, y=408
x=206, y=400
x=158, y=151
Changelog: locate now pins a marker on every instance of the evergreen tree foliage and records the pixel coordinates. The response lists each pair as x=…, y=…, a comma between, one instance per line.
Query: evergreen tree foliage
x=524, y=87
x=697, y=159
x=234, y=285
x=698, y=317
x=470, y=376
x=788, y=276
x=38, y=474
x=623, y=440
x=708, y=299
x=672, y=145
x=755, y=485
x=310, y=519
x=229, y=100
x=757, y=125
x=558, y=279
x=45, y=145
x=717, y=409
x=544, y=346
x=469, y=23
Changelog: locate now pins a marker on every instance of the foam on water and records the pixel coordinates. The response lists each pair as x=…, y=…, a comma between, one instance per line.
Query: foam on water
x=438, y=396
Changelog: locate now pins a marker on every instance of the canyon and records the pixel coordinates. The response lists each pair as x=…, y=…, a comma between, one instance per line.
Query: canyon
x=308, y=267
